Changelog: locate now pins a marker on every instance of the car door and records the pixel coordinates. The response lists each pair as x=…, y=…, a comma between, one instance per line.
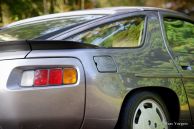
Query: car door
x=180, y=38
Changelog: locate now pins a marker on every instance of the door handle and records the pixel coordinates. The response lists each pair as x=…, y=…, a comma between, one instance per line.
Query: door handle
x=185, y=67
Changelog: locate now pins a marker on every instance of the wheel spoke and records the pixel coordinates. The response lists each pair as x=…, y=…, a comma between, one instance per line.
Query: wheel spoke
x=152, y=116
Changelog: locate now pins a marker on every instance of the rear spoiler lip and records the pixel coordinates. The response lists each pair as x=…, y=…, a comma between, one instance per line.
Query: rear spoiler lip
x=25, y=45
x=8, y=46
x=58, y=44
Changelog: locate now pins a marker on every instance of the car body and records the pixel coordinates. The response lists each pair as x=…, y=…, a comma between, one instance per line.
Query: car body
x=118, y=53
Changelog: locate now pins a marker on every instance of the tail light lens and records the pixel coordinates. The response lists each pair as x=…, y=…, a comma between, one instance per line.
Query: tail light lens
x=55, y=76
x=41, y=77
x=48, y=77
x=69, y=76
x=27, y=78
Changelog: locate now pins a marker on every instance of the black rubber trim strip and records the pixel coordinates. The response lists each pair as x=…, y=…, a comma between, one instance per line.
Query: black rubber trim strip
x=27, y=45
x=56, y=45
x=14, y=46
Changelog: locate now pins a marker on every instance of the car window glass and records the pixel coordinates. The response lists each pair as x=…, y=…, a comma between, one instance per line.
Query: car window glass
x=123, y=33
x=180, y=35
x=39, y=28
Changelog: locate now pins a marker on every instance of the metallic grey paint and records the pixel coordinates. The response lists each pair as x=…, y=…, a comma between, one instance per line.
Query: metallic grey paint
x=48, y=107
x=96, y=101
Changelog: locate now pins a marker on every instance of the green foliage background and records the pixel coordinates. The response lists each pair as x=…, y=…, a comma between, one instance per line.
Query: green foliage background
x=14, y=10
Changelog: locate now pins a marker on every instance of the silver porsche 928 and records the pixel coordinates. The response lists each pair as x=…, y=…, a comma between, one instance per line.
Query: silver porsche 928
x=111, y=68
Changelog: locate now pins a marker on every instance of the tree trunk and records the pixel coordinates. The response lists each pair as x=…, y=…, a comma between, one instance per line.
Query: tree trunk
x=1, y=17
x=82, y=4
x=51, y=6
x=60, y=5
x=45, y=6
x=6, y=15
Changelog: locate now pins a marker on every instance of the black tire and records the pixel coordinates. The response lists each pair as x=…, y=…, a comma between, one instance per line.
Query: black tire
x=130, y=106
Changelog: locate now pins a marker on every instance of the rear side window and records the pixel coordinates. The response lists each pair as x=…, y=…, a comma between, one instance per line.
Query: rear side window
x=180, y=35
x=123, y=33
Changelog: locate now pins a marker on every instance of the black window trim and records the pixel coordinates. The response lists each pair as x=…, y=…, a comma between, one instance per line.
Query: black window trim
x=161, y=15
x=164, y=15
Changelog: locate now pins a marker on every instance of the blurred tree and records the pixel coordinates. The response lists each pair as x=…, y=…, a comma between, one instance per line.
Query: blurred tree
x=13, y=10
x=20, y=9
x=185, y=6
x=51, y=6
x=5, y=13
x=45, y=4
x=1, y=19
x=82, y=4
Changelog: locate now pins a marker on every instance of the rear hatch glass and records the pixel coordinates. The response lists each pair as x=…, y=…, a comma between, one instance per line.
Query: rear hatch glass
x=36, y=29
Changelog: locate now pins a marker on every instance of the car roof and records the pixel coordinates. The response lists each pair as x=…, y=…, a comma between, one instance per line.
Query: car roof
x=60, y=15
x=97, y=11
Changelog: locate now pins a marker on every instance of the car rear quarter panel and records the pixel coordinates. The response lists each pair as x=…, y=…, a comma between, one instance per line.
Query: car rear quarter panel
x=146, y=66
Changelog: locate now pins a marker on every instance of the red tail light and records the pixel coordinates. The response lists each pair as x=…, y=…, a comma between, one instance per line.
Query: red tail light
x=41, y=77
x=55, y=76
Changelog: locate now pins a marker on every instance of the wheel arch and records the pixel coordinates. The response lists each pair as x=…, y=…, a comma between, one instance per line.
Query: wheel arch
x=166, y=94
